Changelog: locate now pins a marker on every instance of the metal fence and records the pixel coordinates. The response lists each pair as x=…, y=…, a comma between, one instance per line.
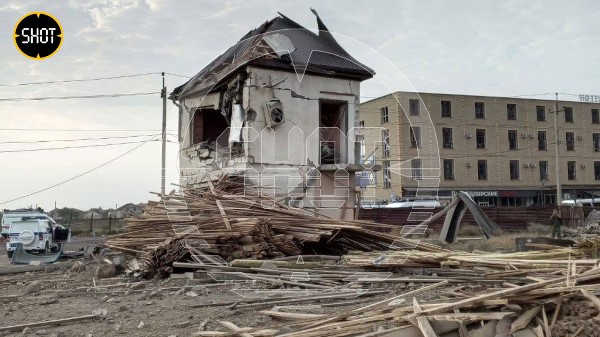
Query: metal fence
x=508, y=218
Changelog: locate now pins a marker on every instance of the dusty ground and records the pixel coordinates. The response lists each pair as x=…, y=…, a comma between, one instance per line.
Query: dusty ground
x=164, y=306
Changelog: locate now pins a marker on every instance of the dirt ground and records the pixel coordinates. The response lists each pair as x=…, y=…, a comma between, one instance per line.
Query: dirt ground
x=171, y=307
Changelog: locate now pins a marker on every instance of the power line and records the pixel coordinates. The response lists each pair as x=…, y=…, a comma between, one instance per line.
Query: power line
x=71, y=147
x=81, y=130
x=75, y=140
x=19, y=99
x=79, y=175
x=77, y=80
x=178, y=75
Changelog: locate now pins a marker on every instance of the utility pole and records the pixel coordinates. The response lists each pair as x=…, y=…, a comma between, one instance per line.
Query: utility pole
x=164, y=135
x=556, y=166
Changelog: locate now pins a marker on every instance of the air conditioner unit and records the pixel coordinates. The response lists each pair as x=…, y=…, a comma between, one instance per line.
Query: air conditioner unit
x=523, y=135
x=469, y=164
x=583, y=165
x=533, y=165
x=526, y=165
x=469, y=135
x=579, y=137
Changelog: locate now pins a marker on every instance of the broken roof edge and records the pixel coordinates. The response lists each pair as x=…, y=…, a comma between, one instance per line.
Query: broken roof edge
x=329, y=44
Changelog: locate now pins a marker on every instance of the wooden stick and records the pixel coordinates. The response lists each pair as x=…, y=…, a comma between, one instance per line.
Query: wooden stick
x=43, y=323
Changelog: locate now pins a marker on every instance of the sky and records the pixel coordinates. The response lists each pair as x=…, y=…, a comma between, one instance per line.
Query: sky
x=496, y=48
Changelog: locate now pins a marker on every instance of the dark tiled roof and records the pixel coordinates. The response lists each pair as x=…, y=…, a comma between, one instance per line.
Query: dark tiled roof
x=266, y=46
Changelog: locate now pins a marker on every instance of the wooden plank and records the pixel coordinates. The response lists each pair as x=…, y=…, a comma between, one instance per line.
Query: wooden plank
x=591, y=297
x=44, y=323
x=422, y=321
x=524, y=319
x=290, y=315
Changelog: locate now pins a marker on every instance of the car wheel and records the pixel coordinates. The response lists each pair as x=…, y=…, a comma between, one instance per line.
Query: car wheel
x=9, y=253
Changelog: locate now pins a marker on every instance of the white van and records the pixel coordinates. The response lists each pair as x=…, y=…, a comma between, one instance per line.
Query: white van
x=21, y=215
x=34, y=235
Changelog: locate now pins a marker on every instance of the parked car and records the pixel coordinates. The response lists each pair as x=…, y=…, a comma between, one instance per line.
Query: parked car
x=36, y=235
x=21, y=215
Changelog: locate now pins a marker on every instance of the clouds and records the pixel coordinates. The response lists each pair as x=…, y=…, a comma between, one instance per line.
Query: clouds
x=466, y=46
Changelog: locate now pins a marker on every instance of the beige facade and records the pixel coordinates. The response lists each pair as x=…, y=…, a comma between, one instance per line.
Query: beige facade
x=457, y=134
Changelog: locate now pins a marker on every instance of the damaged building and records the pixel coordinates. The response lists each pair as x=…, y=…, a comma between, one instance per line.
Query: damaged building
x=280, y=107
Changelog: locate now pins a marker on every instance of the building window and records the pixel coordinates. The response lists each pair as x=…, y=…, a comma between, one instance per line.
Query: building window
x=568, y=114
x=361, y=124
x=448, y=169
x=416, y=166
x=514, y=169
x=479, y=110
x=482, y=171
x=511, y=112
x=542, y=141
x=513, y=141
x=446, y=109
x=570, y=137
x=597, y=170
x=384, y=115
x=447, y=138
x=541, y=113
x=572, y=170
x=385, y=139
x=387, y=181
x=480, y=137
x=415, y=136
x=414, y=106
x=596, y=142
x=595, y=116
x=360, y=142
x=543, y=170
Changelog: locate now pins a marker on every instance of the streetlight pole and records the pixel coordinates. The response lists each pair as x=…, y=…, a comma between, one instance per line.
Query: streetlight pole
x=557, y=163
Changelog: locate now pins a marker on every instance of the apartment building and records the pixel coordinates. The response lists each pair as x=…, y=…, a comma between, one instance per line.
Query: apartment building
x=499, y=149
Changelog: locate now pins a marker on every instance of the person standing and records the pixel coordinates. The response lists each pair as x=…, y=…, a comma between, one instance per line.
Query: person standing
x=556, y=222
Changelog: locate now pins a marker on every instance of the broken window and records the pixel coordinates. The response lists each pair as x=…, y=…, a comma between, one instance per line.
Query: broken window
x=385, y=139
x=514, y=169
x=414, y=107
x=208, y=126
x=448, y=169
x=332, y=124
x=479, y=110
x=596, y=142
x=542, y=141
x=384, y=115
x=568, y=114
x=361, y=124
x=595, y=116
x=513, y=141
x=570, y=137
x=572, y=170
x=387, y=179
x=480, y=136
x=446, y=109
x=416, y=166
x=511, y=112
x=541, y=113
x=482, y=171
x=415, y=136
x=543, y=170
x=447, y=138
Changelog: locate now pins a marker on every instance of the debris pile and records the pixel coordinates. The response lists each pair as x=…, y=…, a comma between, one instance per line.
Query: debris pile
x=231, y=220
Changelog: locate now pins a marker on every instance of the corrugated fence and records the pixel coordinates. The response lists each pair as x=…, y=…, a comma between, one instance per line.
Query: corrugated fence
x=508, y=218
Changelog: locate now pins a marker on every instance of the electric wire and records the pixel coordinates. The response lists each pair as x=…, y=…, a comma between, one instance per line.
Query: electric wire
x=20, y=99
x=78, y=175
x=76, y=139
x=71, y=147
